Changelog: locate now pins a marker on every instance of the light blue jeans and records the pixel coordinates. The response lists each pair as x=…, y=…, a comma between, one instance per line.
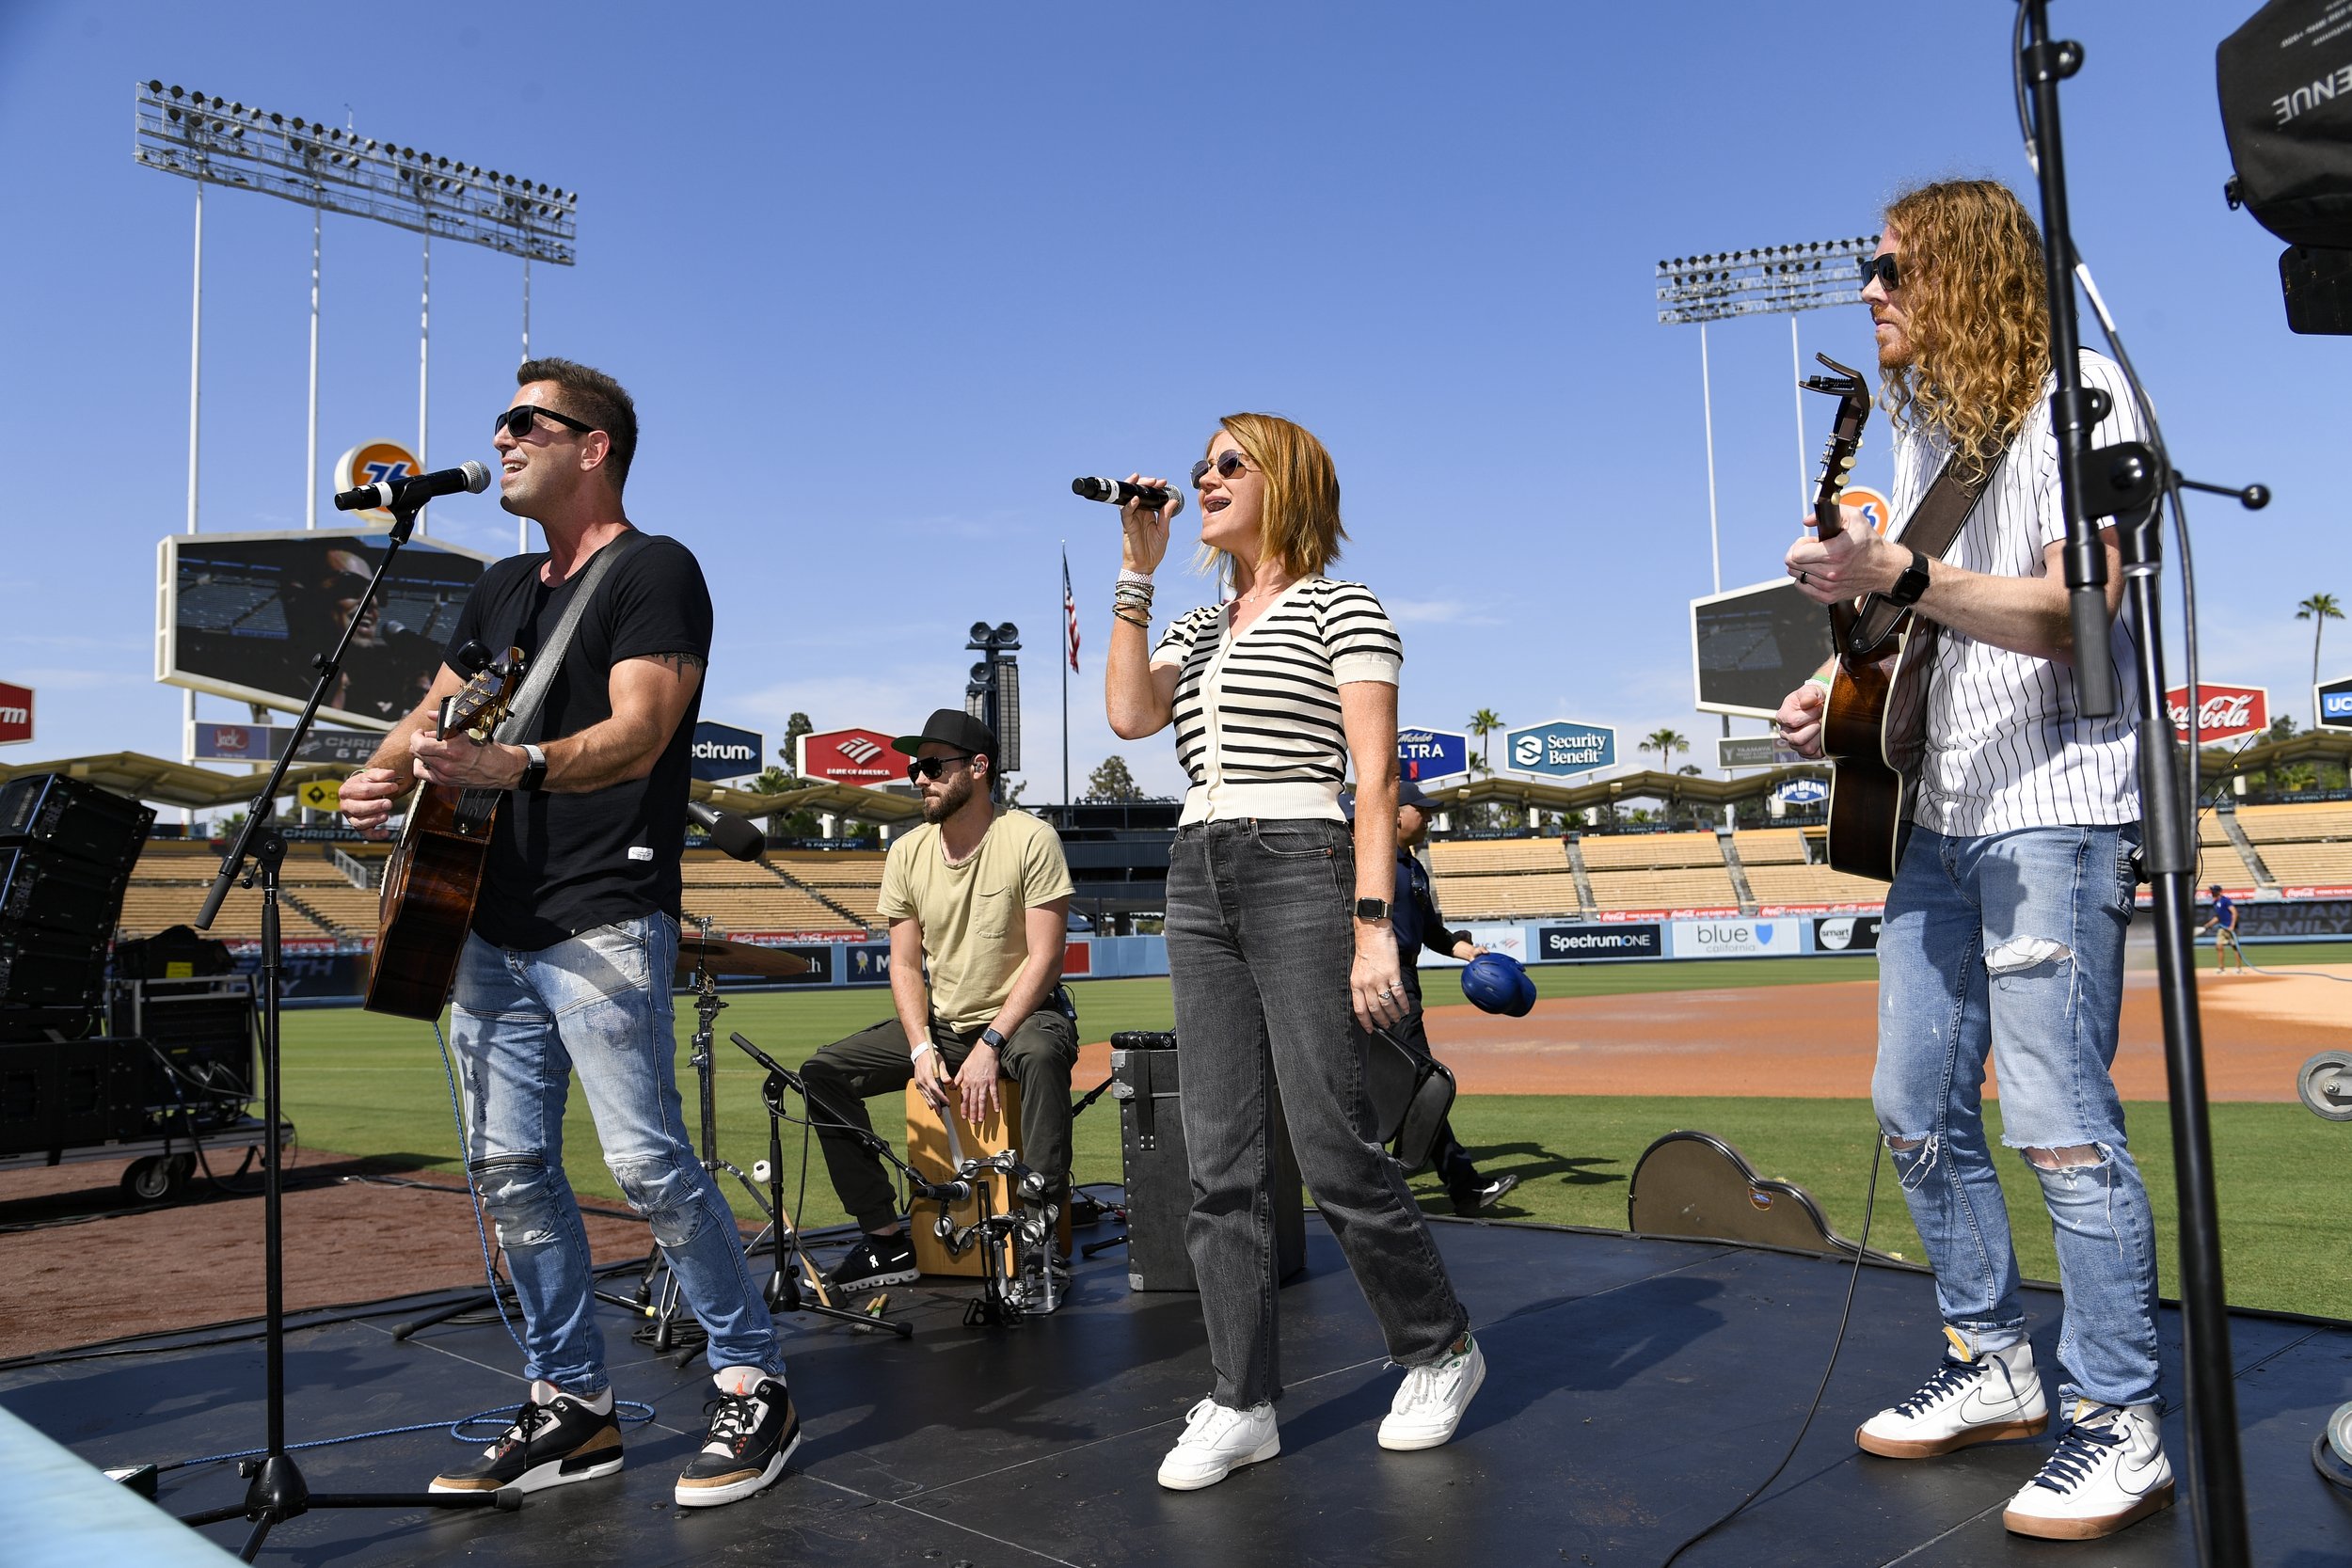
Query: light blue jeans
x=522, y=1023
x=2014, y=944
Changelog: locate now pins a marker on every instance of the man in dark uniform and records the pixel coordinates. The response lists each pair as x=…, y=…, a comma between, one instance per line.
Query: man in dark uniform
x=574, y=947
x=1417, y=925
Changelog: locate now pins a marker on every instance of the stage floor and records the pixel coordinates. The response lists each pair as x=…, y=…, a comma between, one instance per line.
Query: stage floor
x=1636, y=1388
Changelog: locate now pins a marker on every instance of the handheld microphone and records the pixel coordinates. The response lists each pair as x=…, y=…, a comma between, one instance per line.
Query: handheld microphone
x=1118, y=492
x=732, y=835
x=416, y=489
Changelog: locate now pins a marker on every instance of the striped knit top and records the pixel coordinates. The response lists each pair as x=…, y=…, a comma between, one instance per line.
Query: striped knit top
x=1257, y=715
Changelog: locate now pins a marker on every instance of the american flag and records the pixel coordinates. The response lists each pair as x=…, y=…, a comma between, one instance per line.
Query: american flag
x=1070, y=611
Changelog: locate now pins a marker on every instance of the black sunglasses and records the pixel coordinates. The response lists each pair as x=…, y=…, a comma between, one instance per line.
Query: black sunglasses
x=931, y=767
x=1227, y=465
x=1882, y=267
x=515, y=421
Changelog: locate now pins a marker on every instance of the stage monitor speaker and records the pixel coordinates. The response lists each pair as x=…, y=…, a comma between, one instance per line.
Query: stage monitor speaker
x=41, y=887
x=51, y=811
x=1145, y=1082
x=50, y=969
x=54, y=1097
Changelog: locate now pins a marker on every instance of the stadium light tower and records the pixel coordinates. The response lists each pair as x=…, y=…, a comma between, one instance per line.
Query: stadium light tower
x=335, y=170
x=1775, y=280
x=992, y=695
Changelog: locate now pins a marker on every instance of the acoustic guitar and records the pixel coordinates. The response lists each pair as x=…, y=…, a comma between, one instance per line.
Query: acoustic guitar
x=1874, y=728
x=434, y=874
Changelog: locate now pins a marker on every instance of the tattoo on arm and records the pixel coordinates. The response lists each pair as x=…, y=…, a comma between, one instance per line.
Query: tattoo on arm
x=681, y=662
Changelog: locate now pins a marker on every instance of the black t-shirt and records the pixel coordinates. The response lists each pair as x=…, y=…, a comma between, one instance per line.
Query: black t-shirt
x=562, y=863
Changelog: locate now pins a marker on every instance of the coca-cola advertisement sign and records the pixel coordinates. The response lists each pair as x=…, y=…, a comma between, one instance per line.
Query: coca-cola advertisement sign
x=2223, y=712
x=852, y=757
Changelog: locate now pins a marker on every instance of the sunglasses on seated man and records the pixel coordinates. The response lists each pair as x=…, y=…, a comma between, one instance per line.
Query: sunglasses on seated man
x=931, y=767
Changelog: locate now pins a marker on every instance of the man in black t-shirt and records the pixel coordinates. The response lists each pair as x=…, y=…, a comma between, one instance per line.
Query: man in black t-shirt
x=574, y=941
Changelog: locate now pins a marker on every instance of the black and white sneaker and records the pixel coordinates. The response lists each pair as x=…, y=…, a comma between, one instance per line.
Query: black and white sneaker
x=877, y=1260
x=751, y=1437
x=555, y=1440
x=1477, y=1199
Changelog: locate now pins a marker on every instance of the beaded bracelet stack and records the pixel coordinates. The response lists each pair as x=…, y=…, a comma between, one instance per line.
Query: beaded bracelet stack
x=1130, y=600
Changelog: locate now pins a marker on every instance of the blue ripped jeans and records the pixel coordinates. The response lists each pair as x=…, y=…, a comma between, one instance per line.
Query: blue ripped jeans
x=2013, y=945
x=598, y=1003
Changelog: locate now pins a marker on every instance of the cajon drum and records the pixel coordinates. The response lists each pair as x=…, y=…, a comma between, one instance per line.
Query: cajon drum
x=931, y=1151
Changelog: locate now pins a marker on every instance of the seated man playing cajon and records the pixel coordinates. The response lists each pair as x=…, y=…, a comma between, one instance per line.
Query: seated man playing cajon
x=980, y=894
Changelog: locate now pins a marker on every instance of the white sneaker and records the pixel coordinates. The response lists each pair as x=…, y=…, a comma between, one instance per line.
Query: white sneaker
x=2106, y=1472
x=1430, y=1403
x=1218, y=1441
x=1974, y=1396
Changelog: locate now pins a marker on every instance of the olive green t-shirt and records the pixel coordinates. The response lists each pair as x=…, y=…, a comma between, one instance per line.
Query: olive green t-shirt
x=975, y=938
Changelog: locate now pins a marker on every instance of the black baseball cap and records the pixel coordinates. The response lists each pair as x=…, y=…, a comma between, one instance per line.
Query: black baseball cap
x=950, y=726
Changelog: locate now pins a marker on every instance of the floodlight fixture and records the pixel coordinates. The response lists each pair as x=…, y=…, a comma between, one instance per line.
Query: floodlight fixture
x=182, y=132
x=1775, y=280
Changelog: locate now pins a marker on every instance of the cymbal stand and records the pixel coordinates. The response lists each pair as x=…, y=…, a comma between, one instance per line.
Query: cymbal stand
x=665, y=1303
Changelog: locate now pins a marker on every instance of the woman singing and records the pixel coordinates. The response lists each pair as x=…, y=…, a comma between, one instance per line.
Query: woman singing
x=1279, y=944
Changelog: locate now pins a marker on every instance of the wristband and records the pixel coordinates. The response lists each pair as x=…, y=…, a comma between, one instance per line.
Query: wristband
x=916, y=1054
x=1127, y=575
x=1824, y=682
x=534, y=768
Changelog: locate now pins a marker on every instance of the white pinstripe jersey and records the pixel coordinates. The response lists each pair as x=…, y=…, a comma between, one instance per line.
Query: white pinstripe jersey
x=2006, y=746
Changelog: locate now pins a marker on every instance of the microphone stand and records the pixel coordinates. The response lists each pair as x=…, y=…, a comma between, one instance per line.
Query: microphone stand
x=784, y=1291
x=277, y=1491
x=2124, y=480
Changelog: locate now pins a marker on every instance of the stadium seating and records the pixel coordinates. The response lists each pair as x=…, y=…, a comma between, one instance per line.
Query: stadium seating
x=1643, y=851
x=850, y=877
x=2303, y=844
x=1695, y=887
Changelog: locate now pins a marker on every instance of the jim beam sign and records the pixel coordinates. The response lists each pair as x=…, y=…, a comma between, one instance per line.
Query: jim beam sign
x=2223, y=712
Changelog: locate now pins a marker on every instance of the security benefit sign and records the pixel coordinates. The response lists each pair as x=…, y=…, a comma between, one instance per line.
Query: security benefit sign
x=1737, y=939
x=16, y=713
x=1846, y=933
x=2223, y=712
x=1426, y=754
x=1558, y=747
x=723, y=752
x=2332, y=702
x=1632, y=939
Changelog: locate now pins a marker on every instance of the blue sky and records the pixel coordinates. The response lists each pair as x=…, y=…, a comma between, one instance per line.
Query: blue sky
x=883, y=279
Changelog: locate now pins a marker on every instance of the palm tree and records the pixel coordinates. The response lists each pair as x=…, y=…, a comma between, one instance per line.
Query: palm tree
x=1665, y=743
x=2319, y=609
x=1483, y=724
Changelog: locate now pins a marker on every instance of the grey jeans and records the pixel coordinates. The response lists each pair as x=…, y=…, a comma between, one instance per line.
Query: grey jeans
x=1040, y=1056
x=1260, y=938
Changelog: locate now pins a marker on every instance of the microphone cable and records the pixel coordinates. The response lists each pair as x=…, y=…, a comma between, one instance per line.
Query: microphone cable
x=1845, y=1315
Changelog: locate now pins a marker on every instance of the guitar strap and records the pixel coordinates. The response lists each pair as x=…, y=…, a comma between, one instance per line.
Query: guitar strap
x=551, y=656
x=1935, y=522
x=475, y=803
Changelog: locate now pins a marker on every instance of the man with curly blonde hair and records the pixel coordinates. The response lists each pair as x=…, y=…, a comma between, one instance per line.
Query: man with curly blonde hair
x=2004, y=929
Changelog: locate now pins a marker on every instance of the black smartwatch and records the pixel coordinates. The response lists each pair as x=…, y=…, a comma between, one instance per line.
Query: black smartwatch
x=1373, y=908
x=1913, y=583
x=534, y=768
x=994, y=1041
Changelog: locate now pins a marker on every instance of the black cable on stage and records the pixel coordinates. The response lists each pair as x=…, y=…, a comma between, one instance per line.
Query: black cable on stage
x=1860, y=1250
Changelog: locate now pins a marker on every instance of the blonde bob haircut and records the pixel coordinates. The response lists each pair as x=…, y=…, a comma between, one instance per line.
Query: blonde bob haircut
x=1299, y=528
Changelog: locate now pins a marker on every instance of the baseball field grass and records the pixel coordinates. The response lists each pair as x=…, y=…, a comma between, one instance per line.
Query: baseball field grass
x=364, y=1085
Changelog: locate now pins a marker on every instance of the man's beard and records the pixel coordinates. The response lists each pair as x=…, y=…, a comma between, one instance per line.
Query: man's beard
x=948, y=802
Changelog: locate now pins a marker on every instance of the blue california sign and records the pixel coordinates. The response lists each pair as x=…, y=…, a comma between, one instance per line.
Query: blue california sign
x=1426, y=754
x=1559, y=748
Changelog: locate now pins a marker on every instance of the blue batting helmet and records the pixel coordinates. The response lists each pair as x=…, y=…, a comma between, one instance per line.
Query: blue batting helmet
x=1498, y=984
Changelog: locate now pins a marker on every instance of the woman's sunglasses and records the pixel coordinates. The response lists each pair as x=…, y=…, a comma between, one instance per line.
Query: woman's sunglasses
x=931, y=767
x=1882, y=268
x=515, y=421
x=1227, y=465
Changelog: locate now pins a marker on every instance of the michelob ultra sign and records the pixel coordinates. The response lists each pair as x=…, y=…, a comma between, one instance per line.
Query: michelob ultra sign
x=2223, y=712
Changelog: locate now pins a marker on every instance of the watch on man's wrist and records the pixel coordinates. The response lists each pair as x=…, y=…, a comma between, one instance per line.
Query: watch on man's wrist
x=1913, y=583
x=1374, y=909
x=534, y=768
x=994, y=1041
